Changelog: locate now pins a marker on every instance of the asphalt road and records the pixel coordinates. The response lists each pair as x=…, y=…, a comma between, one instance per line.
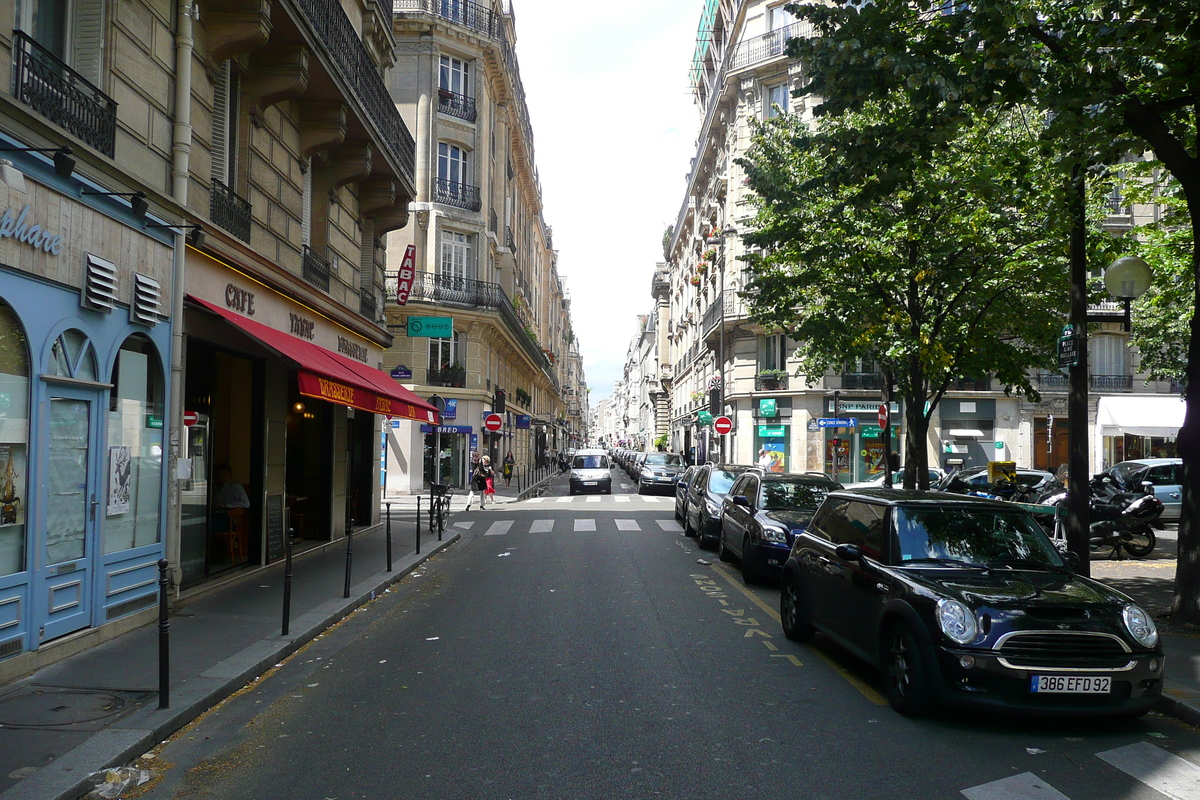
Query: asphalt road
x=584, y=648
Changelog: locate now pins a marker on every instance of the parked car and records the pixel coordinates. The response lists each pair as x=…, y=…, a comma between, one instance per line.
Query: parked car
x=590, y=471
x=681, y=491
x=706, y=494
x=763, y=513
x=659, y=471
x=963, y=601
x=935, y=475
x=1164, y=474
x=976, y=479
x=635, y=465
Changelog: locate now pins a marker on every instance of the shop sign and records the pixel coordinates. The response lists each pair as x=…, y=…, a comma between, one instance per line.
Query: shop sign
x=771, y=431
x=446, y=429
x=862, y=406
x=523, y=422
x=304, y=328
x=767, y=407
x=311, y=385
x=37, y=237
x=431, y=327
x=154, y=421
x=405, y=275
x=349, y=347
x=474, y=441
x=451, y=411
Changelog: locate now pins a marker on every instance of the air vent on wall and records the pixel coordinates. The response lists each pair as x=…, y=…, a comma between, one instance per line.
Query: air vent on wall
x=99, y=284
x=147, y=300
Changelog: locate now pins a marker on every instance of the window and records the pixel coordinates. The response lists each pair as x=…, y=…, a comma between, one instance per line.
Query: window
x=14, y=441
x=71, y=31
x=135, y=447
x=774, y=352
x=781, y=18
x=454, y=76
x=452, y=163
x=1109, y=355
x=73, y=357
x=859, y=524
x=226, y=92
x=445, y=353
x=456, y=255
x=777, y=101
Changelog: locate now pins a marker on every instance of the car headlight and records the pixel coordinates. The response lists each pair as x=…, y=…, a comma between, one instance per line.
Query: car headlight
x=956, y=621
x=1140, y=625
x=771, y=534
x=714, y=510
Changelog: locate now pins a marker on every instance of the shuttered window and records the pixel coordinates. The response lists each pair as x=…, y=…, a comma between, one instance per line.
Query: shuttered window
x=225, y=125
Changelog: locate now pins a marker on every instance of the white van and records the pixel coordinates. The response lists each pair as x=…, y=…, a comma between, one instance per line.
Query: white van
x=590, y=470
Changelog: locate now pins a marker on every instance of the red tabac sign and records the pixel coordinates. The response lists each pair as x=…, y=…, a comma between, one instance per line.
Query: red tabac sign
x=404, y=278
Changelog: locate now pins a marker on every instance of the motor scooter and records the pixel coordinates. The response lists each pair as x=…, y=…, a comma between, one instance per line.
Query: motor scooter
x=1119, y=522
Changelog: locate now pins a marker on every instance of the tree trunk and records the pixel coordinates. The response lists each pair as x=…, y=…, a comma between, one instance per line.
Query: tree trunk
x=916, y=431
x=1186, y=604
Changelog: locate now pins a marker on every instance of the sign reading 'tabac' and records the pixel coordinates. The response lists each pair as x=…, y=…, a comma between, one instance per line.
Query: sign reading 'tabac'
x=404, y=277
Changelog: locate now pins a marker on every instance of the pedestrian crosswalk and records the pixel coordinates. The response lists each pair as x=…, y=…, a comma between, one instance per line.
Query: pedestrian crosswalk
x=1167, y=774
x=647, y=499
x=503, y=527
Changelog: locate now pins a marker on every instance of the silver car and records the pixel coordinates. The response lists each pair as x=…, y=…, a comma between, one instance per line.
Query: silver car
x=1164, y=474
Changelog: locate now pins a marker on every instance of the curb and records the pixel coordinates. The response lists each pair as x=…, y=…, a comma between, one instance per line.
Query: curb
x=68, y=777
x=1185, y=712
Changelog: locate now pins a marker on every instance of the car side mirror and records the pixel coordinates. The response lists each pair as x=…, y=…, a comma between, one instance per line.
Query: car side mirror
x=1147, y=487
x=848, y=552
x=741, y=500
x=1072, y=558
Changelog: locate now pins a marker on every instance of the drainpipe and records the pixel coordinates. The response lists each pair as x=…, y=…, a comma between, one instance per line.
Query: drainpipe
x=181, y=149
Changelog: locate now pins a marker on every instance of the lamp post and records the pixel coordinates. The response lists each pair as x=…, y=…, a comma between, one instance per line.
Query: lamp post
x=726, y=232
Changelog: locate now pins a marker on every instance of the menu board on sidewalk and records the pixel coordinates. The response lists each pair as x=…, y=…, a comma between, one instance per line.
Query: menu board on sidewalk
x=275, y=527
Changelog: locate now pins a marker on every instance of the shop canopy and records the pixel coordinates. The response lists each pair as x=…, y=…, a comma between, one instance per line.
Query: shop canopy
x=329, y=376
x=1158, y=416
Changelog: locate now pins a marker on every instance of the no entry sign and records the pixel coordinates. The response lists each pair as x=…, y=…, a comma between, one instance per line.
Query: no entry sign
x=493, y=422
x=722, y=425
x=190, y=418
x=883, y=415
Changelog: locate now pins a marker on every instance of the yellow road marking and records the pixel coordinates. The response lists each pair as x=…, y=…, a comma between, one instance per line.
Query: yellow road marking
x=790, y=658
x=866, y=690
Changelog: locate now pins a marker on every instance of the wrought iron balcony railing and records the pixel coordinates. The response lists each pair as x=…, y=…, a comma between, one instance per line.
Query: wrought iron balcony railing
x=230, y=211
x=331, y=25
x=456, y=105
x=63, y=96
x=460, y=195
x=1120, y=383
x=1052, y=380
x=315, y=269
x=447, y=376
x=861, y=380
x=509, y=241
x=983, y=384
x=769, y=45
x=770, y=383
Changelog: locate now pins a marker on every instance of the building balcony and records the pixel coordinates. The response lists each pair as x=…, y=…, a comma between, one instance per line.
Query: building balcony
x=862, y=380
x=771, y=382
x=230, y=211
x=63, y=96
x=1110, y=383
x=769, y=45
x=456, y=105
x=461, y=12
x=447, y=376
x=315, y=269
x=460, y=195
x=509, y=241
x=983, y=384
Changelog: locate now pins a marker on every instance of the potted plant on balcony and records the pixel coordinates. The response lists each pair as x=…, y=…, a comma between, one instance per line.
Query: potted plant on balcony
x=702, y=267
x=697, y=396
x=710, y=254
x=772, y=378
x=695, y=280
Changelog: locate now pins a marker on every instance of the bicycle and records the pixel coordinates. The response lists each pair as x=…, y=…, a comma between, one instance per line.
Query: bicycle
x=439, y=505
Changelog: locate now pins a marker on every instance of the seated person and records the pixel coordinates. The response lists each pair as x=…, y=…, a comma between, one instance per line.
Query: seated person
x=231, y=495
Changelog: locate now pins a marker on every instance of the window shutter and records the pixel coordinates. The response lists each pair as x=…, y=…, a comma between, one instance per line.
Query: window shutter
x=87, y=39
x=306, y=201
x=366, y=261
x=220, y=125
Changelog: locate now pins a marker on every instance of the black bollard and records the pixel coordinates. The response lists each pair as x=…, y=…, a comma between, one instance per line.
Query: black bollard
x=443, y=502
x=164, y=637
x=349, y=557
x=389, y=536
x=287, y=580
x=418, y=524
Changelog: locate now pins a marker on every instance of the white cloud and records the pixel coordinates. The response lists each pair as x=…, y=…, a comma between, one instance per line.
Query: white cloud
x=614, y=130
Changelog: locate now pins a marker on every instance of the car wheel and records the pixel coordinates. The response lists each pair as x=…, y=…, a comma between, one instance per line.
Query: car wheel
x=641, y=488
x=1140, y=543
x=687, y=525
x=751, y=572
x=907, y=678
x=702, y=540
x=723, y=551
x=791, y=612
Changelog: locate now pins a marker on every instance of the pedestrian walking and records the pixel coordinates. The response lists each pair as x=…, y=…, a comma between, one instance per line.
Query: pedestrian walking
x=485, y=481
x=509, y=463
x=471, y=478
x=764, y=458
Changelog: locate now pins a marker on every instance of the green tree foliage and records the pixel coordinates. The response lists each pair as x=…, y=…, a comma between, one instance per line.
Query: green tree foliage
x=1116, y=76
x=952, y=269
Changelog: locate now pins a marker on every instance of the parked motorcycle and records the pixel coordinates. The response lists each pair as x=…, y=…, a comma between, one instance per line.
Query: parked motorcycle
x=1119, y=521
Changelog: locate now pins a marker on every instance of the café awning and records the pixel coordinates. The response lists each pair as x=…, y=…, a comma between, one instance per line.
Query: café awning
x=1145, y=415
x=329, y=376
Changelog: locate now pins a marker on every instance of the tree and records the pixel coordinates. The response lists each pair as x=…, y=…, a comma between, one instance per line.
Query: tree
x=1116, y=76
x=939, y=270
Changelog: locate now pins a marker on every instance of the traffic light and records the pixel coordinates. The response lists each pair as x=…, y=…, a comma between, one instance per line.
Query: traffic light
x=714, y=401
x=836, y=443
x=498, y=403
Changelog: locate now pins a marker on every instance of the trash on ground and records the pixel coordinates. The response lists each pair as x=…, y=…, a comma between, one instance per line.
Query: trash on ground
x=1157, y=735
x=502, y=555
x=432, y=638
x=116, y=781
x=703, y=561
x=1033, y=751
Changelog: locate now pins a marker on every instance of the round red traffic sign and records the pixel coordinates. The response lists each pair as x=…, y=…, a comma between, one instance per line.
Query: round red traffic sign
x=722, y=425
x=190, y=418
x=493, y=422
x=883, y=415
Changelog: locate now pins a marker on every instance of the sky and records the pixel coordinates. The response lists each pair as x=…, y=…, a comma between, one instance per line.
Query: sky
x=614, y=129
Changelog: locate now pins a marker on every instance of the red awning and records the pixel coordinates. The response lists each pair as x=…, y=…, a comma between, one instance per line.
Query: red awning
x=331, y=376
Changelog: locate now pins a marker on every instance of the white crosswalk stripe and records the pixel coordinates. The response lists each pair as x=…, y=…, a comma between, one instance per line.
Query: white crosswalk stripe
x=535, y=500
x=585, y=524
x=1025, y=786
x=542, y=526
x=622, y=498
x=669, y=525
x=628, y=525
x=566, y=499
x=1165, y=772
x=499, y=527
x=595, y=499
x=465, y=525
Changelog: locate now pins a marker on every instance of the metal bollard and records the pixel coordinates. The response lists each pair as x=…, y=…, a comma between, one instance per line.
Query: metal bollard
x=418, y=524
x=287, y=580
x=389, y=536
x=349, y=557
x=164, y=637
x=443, y=503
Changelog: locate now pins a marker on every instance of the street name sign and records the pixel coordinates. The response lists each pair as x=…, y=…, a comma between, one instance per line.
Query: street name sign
x=836, y=422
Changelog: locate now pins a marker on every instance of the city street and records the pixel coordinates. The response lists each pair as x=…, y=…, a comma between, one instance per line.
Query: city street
x=583, y=647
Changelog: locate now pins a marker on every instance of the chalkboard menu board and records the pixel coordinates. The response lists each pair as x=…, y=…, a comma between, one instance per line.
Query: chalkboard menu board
x=275, y=527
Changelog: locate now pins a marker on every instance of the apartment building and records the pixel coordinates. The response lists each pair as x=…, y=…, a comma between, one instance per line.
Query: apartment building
x=191, y=283
x=484, y=323
x=740, y=74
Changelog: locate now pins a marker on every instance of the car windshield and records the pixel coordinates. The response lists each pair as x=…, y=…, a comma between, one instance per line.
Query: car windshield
x=664, y=460
x=778, y=495
x=989, y=536
x=720, y=480
x=590, y=462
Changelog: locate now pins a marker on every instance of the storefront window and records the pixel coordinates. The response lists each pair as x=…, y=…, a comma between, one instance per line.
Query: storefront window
x=14, y=441
x=135, y=448
x=73, y=356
